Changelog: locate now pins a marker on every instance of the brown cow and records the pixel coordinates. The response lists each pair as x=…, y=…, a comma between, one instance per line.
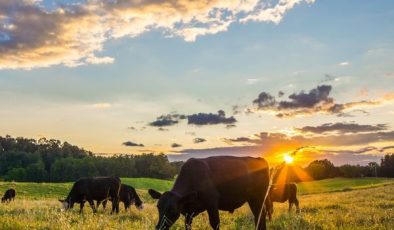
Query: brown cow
x=282, y=193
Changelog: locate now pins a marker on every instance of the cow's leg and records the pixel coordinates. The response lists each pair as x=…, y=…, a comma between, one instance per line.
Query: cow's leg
x=126, y=205
x=259, y=220
x=98, y=204
x=290, y=205
x=104, y=204
x=91, y=203
x=188, y=221
x=297, y=205
x=214, y=220
x=115, y=205
x=81, y=206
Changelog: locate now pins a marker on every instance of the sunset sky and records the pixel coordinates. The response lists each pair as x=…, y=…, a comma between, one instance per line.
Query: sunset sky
x=201, y=78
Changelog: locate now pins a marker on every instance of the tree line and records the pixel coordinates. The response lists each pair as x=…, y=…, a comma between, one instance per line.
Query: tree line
x=49, y=160
x=324, y=169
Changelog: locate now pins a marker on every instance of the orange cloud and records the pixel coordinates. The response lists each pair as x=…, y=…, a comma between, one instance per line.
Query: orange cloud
x=32, y=36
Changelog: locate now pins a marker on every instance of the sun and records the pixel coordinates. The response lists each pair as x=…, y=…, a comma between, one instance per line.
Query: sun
x=288, y=159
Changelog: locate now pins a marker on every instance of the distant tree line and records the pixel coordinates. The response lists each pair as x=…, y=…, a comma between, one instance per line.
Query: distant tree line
x=44, y=160
x=323, y=169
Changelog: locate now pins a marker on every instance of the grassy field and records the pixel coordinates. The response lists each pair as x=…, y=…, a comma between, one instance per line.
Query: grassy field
x=366, y=203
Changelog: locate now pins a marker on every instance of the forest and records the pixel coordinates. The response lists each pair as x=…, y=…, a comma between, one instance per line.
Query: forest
x=50, y=160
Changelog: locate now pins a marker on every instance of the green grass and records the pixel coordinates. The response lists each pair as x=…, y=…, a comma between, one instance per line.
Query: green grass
x=341, y=184
x=367, y=203
x=60, y=190
x=147, y=183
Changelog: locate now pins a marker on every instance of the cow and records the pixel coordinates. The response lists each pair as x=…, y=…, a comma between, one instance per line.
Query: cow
x=128, y=196
x=8, y=195
x=92, y=189
x=282, y=193
x=212, y=184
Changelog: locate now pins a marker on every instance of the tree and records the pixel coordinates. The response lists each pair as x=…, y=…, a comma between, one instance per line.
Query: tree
x=321, y=169
x=387, y=165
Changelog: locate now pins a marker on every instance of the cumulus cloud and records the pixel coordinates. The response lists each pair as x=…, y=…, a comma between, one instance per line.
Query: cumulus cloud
x=132, y=144
x=316, y=100
x=198, y=140
x=210, y=118
x=342, y=128
x=32, y=35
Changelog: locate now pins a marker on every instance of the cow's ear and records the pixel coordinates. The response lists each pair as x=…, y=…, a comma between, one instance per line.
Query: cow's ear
x=154, y=194
x=189, y=197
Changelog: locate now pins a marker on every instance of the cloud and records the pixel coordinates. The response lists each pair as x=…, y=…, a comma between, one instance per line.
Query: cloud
x=194, y=119
x=314, y=101
x=273, y=139
x=167, y=120
x=345, y=63
x=329, y=78
x=33, y=36
x=132, y=144
x=175, y=145
x=198, y=140
x=342, y=128
x=340, y=149
x=210, y=118
x=252, y=81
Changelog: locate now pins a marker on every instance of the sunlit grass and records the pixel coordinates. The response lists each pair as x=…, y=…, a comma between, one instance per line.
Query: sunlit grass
x=371, y=208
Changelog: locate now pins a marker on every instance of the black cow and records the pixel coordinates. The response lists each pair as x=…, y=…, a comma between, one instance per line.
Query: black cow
x=93, y=189
x=282, y=193
x=8, y=195
x=213, y=184
x=128, y=196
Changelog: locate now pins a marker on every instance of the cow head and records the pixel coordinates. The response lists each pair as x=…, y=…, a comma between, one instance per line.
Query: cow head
x=66, y=204
x=170, y=206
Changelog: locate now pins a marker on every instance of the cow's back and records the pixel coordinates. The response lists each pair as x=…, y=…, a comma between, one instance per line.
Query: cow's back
x=233, y=180
x=98, y=188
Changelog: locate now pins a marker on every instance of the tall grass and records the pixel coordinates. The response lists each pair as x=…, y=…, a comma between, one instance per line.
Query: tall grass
x=371, y=208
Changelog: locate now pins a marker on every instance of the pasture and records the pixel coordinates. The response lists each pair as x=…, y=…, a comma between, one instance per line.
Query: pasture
x=339, y=203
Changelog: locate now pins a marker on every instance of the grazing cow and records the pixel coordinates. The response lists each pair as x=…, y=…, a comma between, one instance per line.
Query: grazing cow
x=128, y=196
x=282, y=193
x=91, y=189
x=8, y=195
x=212, y=184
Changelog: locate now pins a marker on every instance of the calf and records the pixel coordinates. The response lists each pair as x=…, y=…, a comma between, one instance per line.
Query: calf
x=282, y=193
x=8, y=195
x=93, y=189
x=128, y=196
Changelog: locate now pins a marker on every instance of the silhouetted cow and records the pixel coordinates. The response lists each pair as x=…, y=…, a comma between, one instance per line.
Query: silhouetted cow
x=282, y=193
x=91, y=189
x=128, y=196
x=213, y=184
x=8, y=195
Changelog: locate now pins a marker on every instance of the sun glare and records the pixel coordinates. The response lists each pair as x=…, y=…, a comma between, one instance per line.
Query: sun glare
x=288, y=159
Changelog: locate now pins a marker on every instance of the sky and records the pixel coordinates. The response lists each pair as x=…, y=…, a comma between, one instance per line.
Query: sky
x=202, y=78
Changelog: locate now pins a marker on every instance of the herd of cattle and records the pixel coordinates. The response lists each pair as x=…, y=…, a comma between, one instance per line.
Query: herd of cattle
x=210, y=184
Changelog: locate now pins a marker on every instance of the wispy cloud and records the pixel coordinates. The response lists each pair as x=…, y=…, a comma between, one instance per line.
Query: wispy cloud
x=33, y=36
x=345, y=63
